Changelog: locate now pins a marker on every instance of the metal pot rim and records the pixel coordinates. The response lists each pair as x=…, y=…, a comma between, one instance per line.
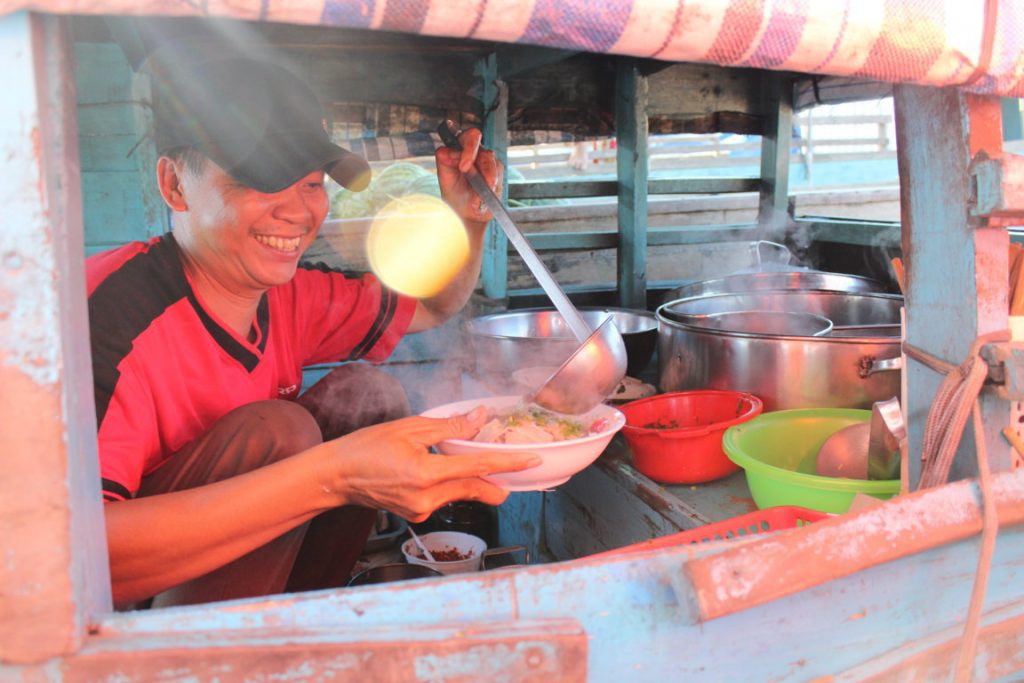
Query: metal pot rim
x=664, y=315
x=471, y=324
x=721, y=295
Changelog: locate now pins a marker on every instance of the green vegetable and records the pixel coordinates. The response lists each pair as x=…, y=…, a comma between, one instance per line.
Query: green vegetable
x=395, y=181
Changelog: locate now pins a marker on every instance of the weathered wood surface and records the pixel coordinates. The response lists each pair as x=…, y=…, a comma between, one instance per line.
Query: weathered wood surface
x=891, y=620
x=549, y=89
x=631, y=109
x=611, y=505
x=610, y=188
x=645, y=617
x=540, y=651
x=120, y=201
x=735, y=580
x=956, y=264
x=776, y=141
x=53, y=576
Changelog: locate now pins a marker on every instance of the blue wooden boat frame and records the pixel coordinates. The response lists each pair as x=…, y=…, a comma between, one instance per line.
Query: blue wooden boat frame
x=927, y=586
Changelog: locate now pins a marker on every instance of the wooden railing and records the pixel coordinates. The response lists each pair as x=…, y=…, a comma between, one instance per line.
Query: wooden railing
x=819, y=138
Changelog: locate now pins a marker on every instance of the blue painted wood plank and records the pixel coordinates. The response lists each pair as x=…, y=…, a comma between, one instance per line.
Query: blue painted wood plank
x=632, y=169
x=1012, y=128
x=775, y=145
x=551, y=189
x=120, y=201
x=687, y=234
x=100, y=70
x=113, y=151
x=520, y=522
x=639, y=616
x=104, y=117
x=118, y=209
x=494, y=113
x=604, y=507
x=956, y=268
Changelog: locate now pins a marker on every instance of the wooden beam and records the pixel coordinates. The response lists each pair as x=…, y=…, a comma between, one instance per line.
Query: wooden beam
x=536, y=650
x=694, y=90
x=775, y=145
x=494, y=114
x=742, y=577
x=439, y=81
x=515, y=60
x=55, y=568
x=1012, y=128
x=610, y=188
x=656, y=237
x=631, y=166
x=863, y=233
x=956, y=267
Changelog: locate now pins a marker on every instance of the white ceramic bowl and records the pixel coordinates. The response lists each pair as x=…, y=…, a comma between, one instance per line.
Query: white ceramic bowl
x=561, y=459
x=468, y=545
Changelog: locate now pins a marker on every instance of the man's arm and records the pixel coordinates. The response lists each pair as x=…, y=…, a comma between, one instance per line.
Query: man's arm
x=160, y=541
x=452, y=165
x=436, y=310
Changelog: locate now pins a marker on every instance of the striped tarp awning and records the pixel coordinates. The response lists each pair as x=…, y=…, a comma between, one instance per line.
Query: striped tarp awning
x=974, y=44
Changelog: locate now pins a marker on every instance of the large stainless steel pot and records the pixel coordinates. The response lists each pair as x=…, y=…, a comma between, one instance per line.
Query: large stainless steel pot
x=784, y=371
x=789, y=280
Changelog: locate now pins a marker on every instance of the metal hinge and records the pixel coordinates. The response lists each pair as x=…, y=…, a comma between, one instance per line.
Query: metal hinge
x=1005, y=369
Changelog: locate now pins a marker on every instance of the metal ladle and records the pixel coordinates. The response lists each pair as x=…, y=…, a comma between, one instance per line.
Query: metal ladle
x=594, y=369
x=866, y=450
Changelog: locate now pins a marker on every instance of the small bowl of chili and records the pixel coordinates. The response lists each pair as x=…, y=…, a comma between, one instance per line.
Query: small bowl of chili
x=454, y=552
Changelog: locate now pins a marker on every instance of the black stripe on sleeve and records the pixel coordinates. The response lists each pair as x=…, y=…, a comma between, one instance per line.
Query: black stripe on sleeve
x=385, y=314
x=124, y=305
x=114, y=491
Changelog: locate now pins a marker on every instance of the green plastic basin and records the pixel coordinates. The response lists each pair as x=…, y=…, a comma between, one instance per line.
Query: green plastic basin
x=778, y=452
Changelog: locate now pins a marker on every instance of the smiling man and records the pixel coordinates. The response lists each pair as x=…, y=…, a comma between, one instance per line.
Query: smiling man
x=211, y=479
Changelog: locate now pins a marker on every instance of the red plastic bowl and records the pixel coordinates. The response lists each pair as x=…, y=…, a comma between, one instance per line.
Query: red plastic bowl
x=676, y=438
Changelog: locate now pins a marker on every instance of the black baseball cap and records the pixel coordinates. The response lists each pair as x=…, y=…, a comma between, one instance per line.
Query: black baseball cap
x=257, y=120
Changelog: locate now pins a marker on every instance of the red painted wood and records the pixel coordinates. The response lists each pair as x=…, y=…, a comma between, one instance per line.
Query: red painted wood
x=985, y=125
x=765, y=570
x=542, y=651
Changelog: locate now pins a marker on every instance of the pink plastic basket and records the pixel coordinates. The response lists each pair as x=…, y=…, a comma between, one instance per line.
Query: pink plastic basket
x=750, y=524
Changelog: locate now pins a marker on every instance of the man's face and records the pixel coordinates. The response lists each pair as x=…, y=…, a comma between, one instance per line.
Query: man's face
x=249, y=240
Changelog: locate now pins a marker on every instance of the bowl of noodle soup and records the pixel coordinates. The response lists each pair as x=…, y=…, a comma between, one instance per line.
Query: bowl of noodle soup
x=566, y=444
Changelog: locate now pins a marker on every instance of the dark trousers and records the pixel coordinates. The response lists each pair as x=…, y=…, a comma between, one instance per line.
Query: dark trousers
x=318, y=554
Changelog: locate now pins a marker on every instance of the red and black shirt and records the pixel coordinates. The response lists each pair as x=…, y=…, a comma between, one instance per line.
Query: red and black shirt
x=165, y=368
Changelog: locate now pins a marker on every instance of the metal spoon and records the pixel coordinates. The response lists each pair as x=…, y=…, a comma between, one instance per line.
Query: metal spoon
x=594, y=370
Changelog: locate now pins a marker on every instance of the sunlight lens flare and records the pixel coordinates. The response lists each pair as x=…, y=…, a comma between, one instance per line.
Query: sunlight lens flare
x=417, y=245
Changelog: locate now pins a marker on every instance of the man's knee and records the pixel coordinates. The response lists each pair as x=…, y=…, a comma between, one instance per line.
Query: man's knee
x=243, y=440
x=354, y=396
x=285, y=427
